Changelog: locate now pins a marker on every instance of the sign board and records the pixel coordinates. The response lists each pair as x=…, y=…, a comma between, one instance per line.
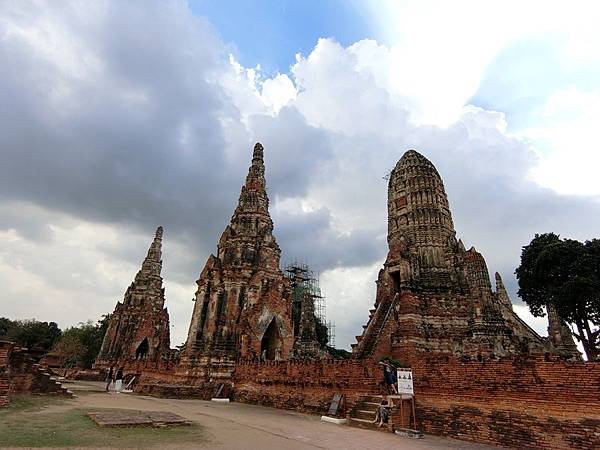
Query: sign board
x=335, y=404
x=405, y=381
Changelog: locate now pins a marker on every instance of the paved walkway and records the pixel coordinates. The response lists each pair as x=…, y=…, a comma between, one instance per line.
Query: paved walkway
x=241, y=426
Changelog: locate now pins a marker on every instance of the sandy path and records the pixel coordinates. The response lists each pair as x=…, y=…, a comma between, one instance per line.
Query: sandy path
x=241, y=426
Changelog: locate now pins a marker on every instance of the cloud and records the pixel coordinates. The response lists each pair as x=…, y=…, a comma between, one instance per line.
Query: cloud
x=123, y=117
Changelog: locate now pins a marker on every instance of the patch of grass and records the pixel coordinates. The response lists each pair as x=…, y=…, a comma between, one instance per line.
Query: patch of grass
x=23, y=425
x=21, y=403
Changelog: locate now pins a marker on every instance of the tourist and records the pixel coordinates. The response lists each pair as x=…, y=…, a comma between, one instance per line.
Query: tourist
x=382, y=414
x=119, y=380
x=389, y=375
x=109, y=378
x=263, y=355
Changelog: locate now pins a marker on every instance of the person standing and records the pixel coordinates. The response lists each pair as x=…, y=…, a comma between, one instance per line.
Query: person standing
x=119, y=380
x=389, y=375
x=109, y=378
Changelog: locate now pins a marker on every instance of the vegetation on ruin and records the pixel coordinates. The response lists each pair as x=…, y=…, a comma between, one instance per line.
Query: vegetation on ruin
x=47, y=422
x=566, y=274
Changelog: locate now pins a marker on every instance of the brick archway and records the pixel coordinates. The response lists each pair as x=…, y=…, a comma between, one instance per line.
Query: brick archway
x=271, y=340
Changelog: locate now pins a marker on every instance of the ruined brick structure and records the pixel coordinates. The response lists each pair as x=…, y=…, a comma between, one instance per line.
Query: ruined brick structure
x=433, y=295
x=480, y=373
x=20, y=373
x=242, y=305
x=138, y=331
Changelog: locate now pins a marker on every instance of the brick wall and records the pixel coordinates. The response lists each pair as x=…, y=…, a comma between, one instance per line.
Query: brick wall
x=304, y=386
x=526, y=402
x=531, y=402
x=5, y=348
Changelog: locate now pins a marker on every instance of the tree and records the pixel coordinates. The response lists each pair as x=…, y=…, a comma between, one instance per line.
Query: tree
x=31, y=333
x=564, y=273
x=81, y=344
x=6, y=325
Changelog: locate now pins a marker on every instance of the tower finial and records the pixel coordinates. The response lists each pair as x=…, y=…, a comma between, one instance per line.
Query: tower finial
x=159, y=233
x=258, y=151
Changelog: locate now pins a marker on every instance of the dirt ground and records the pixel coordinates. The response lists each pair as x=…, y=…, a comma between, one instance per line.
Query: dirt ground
x=241, y=426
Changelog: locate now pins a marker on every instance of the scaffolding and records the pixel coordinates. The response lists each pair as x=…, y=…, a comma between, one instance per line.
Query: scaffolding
x=331, y=333
x=305, y=284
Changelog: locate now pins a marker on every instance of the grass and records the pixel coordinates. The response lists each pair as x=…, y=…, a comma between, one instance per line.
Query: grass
x=25, y=424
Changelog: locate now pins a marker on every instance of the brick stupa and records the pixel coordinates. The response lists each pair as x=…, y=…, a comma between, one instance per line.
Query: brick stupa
x=138, y=331
x=242, y=305
x=433, y=295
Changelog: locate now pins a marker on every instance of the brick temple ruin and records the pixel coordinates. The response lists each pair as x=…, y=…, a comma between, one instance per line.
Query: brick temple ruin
x=138, y=331
x=480, y=372
x=433, y=295
x=242, y=305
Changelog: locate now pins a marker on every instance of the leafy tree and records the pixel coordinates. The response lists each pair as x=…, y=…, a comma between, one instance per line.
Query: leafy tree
x=566, y=274
x=80, y=344
x=31, y=333
x=6, y=325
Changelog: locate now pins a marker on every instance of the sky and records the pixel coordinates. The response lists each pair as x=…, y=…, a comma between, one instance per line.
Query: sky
x=117, y=117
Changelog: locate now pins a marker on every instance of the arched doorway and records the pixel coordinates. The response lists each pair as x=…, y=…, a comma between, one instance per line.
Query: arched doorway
x=142, y=349
x=271, y=341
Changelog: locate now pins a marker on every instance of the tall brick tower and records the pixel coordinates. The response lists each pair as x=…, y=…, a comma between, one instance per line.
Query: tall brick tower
x=242, y=305
x=419, y=222
x=433, y=295
x=139, y=327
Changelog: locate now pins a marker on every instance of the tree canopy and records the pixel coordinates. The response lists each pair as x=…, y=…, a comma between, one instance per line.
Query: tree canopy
x=30, y=333
x=80, y=344
x=564, y=273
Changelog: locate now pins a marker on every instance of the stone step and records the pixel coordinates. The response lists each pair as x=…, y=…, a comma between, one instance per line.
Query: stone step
x=363, y=414
x=367, y=424
x=370, y=405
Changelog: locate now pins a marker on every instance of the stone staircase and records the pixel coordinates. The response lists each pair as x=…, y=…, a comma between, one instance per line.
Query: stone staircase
x=377, y=319
x=363, y=414
x=22, y=374
x=45, y=383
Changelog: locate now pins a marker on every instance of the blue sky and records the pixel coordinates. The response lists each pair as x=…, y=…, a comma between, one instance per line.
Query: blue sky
x=271, y=32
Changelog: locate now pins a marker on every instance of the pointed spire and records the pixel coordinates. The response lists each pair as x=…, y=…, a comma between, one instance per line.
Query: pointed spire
x=560, y=335
x=461, y=246
x=499, y=283
x=256, y=173
x=501, y=291
x=152, y=264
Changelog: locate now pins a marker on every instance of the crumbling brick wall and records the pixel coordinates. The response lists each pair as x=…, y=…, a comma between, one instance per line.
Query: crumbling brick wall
x=19, y=373
x=5, y=348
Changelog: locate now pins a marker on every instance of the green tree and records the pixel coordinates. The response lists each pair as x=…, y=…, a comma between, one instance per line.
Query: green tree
x=566, y=274
x=6, y=325
x=32, y=334
x=81, y=344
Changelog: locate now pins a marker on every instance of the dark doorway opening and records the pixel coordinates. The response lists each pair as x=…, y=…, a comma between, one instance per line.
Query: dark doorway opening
x=142, y=350
x=271, y=341
x=396, y=279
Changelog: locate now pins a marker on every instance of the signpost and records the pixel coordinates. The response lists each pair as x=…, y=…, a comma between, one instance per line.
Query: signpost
x=406, y=392
x=405, y=381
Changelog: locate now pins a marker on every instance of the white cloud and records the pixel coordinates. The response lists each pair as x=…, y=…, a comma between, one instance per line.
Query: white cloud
x=570, y=133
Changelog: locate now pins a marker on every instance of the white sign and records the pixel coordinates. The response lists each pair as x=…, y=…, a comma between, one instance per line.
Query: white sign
x=405, y=381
